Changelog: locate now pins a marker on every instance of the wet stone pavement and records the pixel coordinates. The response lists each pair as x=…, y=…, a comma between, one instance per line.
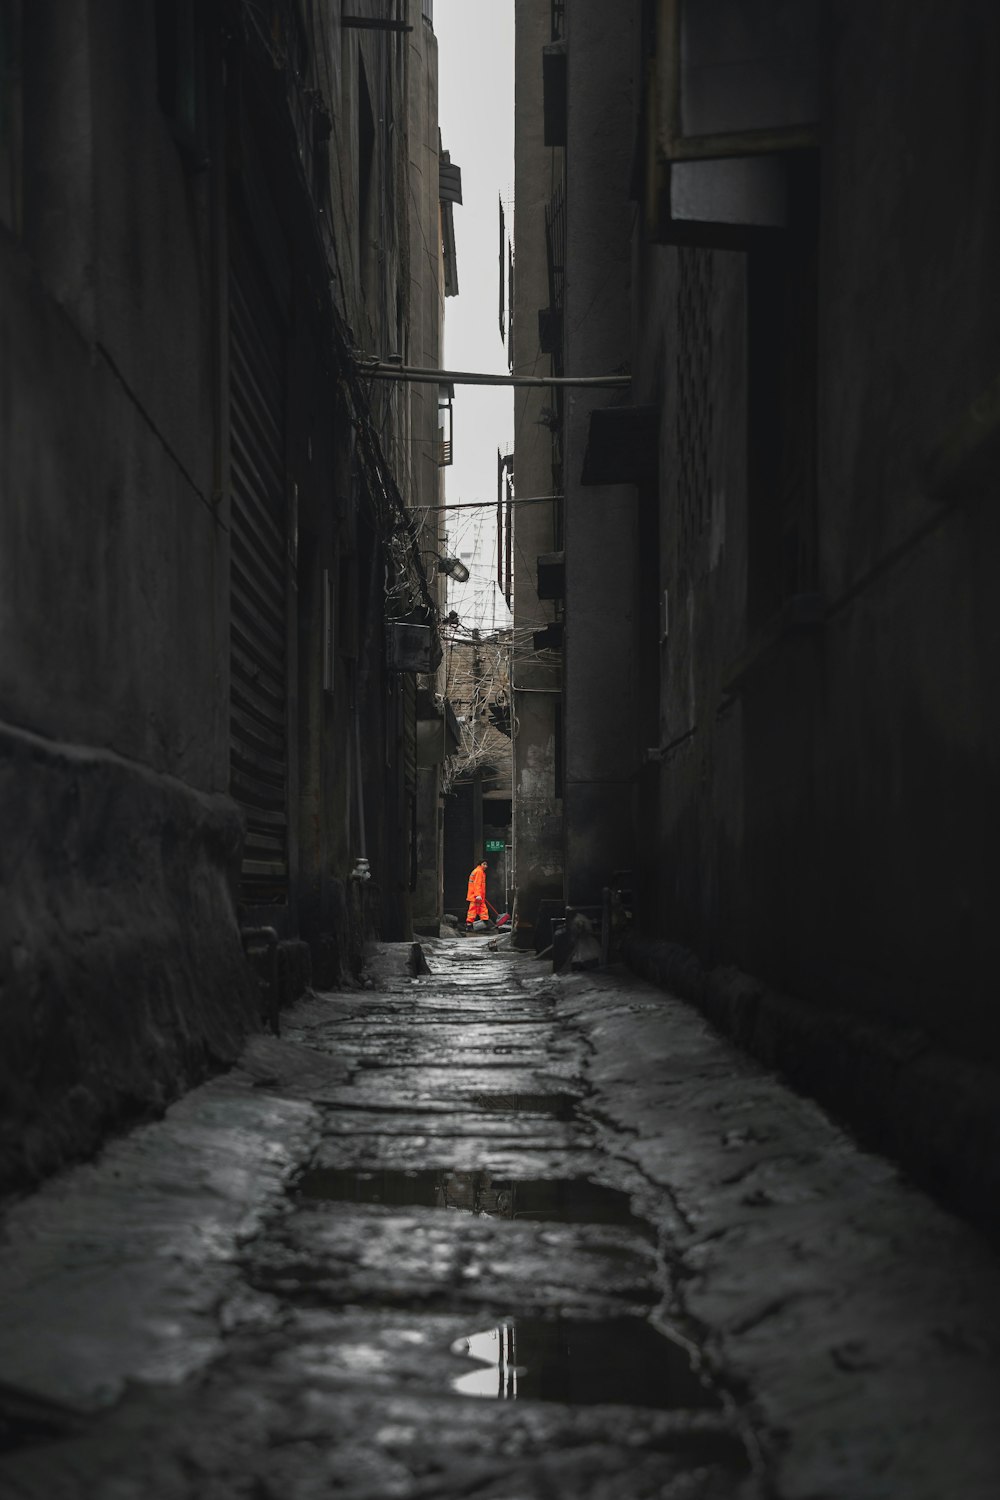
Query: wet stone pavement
x=489, y=1233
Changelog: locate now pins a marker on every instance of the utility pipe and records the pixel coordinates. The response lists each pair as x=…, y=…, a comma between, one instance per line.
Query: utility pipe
x=489, y=504
x=378, y=370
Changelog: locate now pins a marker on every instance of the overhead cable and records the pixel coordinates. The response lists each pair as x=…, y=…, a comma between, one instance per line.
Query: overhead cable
x=491, y=504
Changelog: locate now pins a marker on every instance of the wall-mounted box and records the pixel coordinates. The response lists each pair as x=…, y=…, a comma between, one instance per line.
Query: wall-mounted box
x=410, y=648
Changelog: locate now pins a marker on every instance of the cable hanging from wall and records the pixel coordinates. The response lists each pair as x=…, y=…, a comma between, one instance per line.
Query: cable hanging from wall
x=408, y=588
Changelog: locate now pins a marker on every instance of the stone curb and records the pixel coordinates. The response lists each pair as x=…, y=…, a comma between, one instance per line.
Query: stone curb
x=936, y=1113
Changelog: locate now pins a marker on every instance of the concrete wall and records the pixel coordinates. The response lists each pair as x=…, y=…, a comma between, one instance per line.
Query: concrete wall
x=112, y=543
x=826, y=795
x=798, y=755
x=601, y=521
x=690, y=800
x=425, y=476
x=122, y=971
x=906, y=747
x=123, y=975
x=537, y=678
x=819, y=806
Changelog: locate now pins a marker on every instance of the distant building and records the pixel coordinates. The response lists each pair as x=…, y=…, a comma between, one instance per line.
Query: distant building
x=478, y=780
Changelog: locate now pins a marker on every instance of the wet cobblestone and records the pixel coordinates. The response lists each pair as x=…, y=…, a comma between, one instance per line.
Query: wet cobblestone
x=739, y=1305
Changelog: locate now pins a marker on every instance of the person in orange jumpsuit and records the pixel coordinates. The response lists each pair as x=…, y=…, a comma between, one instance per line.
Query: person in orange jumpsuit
x=476, y=895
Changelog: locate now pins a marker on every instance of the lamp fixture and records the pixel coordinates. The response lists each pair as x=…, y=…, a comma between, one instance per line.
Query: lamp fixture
x=454, y=568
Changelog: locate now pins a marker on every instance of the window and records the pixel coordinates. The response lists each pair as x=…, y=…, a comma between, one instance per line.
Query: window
x=11, y=164
x=736, y=88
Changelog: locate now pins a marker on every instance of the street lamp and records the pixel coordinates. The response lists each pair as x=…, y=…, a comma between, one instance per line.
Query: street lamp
x=452, y=567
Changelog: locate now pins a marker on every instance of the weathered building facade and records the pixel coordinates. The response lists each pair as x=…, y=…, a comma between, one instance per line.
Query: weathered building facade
x=536, y=348
x=779, y=633
x=436, y=190
x=214, y=600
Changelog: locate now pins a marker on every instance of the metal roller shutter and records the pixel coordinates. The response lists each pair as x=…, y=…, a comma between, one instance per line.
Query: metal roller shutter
x=258, y=705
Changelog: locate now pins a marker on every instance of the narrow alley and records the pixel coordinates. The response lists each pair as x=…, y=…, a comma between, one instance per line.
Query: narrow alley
x=499, y=750
x=488, y=1231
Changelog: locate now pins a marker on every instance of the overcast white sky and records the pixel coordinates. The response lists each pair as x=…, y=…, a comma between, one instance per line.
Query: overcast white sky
x=476, y=107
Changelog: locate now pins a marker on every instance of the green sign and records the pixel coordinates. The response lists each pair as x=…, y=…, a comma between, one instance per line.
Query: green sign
x=494, y=846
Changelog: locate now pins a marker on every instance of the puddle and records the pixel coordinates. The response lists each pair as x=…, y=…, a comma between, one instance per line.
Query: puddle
x=620, y=1361
x=563, y=1201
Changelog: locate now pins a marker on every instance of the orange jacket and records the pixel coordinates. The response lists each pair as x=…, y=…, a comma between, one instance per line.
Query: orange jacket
x=477, y=884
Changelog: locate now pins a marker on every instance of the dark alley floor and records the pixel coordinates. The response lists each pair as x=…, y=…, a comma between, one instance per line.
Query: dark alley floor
x=491, y=1233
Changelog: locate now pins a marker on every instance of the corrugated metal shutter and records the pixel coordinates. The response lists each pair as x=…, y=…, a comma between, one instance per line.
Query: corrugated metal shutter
x=258, y=712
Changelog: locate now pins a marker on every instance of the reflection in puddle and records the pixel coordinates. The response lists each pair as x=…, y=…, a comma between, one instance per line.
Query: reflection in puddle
x=496, y=1369
x=571, y=1200
x=620, y=1361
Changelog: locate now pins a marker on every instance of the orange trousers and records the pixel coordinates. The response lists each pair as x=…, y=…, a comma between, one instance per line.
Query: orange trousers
x=477, y=909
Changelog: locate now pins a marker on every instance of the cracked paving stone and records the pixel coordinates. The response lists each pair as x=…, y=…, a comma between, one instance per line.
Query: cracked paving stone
x=288, y=1347
x=640, y=1267
x=294, y=1440
x=368, y=1253
x=527, y=1130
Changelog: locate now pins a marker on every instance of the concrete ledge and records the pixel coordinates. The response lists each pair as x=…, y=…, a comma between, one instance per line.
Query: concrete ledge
x=122, y=975
x=936, y=1113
